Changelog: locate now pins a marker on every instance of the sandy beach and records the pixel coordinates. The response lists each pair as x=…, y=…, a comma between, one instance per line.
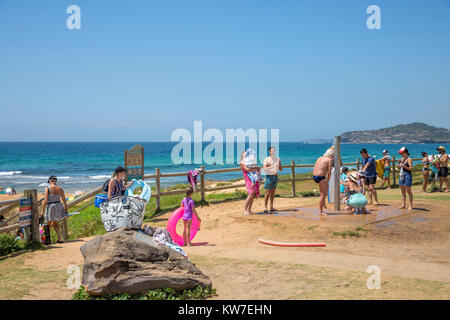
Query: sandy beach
x=411, y=248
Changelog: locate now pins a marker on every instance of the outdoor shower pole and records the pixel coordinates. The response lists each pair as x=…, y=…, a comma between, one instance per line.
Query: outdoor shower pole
x=337, y=173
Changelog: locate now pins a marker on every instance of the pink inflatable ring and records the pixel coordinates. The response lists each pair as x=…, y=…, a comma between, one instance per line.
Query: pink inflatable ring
x=172, y=226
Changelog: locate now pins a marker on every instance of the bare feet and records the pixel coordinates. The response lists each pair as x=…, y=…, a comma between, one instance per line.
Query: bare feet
x=322, y=213
x=245, y=213
x=402, y=207
x=409, y=208
x=375, y=204
x=189, y=244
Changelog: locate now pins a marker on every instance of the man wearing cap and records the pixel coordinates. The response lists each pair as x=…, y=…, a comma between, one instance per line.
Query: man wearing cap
x=387, y=168
x=370, y=169
x=443, y=168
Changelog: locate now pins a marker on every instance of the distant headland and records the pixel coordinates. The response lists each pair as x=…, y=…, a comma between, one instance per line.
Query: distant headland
x=415, y=132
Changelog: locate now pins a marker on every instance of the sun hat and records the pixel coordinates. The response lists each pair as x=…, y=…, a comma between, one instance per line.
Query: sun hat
x=440, y=148
x=403, y=150
x=353, y=176
x=385, y=151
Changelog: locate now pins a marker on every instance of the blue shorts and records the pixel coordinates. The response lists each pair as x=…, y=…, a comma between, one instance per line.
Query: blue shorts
x=271, y=182
x=407, y=180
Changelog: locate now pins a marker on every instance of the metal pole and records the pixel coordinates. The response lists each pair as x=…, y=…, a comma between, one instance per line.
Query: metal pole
x=337, y=173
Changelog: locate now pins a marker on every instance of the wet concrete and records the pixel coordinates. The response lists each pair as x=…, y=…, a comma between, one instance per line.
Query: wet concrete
x=342, y=217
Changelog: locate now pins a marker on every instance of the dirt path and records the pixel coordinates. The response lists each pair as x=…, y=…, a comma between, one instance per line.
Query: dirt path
x=412, y=250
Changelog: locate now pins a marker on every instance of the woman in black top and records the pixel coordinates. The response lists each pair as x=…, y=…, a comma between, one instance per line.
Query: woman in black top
x=116, y=186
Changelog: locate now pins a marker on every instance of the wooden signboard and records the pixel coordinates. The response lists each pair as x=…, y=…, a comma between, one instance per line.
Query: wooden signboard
x=134, y=163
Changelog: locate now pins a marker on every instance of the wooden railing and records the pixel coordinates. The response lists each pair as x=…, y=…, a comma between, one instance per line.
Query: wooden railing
x=9, y=205
x=203, y=189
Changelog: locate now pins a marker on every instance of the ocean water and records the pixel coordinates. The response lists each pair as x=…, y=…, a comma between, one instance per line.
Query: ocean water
x=85, y=165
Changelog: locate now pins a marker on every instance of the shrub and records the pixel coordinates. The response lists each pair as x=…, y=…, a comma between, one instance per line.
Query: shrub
x=9, y=244
x=198, y=293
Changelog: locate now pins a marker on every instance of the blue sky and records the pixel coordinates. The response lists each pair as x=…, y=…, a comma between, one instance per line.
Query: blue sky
x=137, y=70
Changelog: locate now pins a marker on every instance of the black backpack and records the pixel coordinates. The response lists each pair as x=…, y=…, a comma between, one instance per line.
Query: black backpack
x=106, y=186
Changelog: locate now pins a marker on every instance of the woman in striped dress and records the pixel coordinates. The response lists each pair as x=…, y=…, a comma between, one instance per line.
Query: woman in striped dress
x=53, y=209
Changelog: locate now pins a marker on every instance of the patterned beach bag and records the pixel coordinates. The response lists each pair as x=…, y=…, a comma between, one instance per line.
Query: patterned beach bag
x=122, y=211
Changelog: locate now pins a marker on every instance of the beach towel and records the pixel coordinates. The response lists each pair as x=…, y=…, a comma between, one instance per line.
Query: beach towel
x=192, y=178
x=254, y=176
x=250, y=159
x=252, y=188
x=162, y=235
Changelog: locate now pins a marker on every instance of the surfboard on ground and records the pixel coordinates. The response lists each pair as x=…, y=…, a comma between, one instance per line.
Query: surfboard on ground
x=292, y=244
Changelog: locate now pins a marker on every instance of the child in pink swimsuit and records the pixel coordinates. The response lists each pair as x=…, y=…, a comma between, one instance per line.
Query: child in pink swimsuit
x=189, y=210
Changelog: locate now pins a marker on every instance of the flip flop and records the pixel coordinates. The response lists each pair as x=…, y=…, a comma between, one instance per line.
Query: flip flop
x=266, y=211
x=273, y=209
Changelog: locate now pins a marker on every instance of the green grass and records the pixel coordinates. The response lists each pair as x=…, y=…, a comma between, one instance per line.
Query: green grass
x=346, y=233
x=223, y=184
x=87, y=223
x=197, y=293
x=307, y=194
x=17, y=280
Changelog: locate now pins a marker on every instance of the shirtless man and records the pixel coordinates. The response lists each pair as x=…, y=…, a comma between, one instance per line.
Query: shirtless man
x=322, y=175
x=443, y=168
x=387, y=169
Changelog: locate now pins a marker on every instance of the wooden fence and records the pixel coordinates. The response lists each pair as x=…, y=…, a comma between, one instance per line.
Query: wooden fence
x=8, y=205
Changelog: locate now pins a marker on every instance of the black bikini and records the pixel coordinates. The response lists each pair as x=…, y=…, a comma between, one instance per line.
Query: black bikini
x=317, y=179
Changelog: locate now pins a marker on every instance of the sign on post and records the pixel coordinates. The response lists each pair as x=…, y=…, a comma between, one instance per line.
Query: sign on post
x=134, y=163
x=25, y=213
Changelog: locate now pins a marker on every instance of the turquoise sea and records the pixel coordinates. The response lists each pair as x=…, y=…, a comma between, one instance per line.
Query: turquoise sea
x=85, y=165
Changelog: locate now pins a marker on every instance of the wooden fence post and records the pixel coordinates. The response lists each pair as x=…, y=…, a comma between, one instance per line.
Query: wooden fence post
x=393, y=170
x=293, y=177
x=202, y=183
x=34, y=232
x=158, y=189
x=64, y=230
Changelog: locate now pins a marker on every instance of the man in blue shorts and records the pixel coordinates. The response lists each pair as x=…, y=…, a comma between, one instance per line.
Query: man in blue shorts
x=271, y=166
x=370, y=169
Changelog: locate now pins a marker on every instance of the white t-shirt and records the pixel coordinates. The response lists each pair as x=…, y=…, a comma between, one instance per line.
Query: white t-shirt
x=273, y=163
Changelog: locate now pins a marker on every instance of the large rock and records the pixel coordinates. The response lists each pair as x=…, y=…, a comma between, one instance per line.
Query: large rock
x=129, y=261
